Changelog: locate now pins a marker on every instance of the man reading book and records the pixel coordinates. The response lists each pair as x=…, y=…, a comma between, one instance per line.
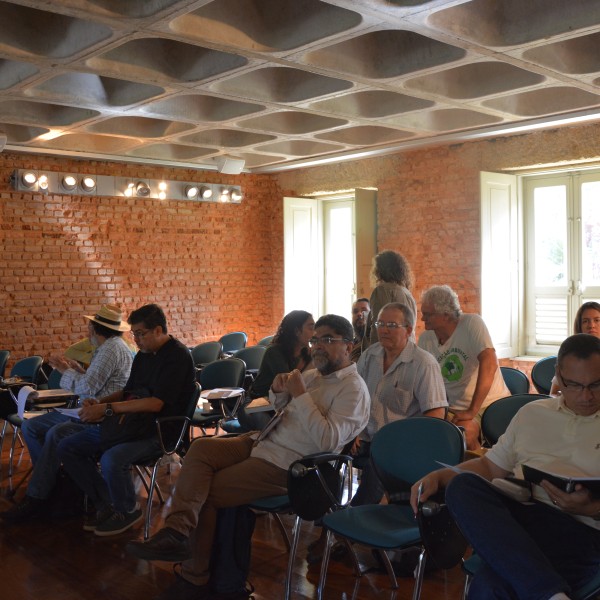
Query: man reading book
x=550, y=547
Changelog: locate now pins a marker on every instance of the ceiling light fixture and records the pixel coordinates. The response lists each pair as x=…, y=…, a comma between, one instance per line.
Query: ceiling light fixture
x=88, y=184
x=129, y=190
x=142, y=189
x=69, y=182
x=206, y=192
x=224, y=195
x=236, y=195
x=28, y=179
x=43, y=182
x=191, y=192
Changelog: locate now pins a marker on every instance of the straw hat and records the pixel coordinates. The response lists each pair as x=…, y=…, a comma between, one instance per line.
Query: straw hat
x=110, y=316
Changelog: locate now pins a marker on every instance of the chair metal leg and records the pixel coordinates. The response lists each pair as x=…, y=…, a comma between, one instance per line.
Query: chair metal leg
x=466, y=587
x=324, y=565
x=149, y=504
x=2, y=436
x=292, y=557
x=419, y=576
x=284, y=531
x=388, y=567
x=11, y=454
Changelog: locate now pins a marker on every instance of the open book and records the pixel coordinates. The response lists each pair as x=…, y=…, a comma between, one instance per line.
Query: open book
x=217, y=393
x=563, y=476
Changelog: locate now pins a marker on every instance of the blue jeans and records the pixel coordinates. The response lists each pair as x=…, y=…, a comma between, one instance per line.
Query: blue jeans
x=113, y=484
x=42, y=435
x=531, y=552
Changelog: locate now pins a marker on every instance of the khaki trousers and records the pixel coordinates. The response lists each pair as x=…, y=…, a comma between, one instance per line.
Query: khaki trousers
x=217, y=473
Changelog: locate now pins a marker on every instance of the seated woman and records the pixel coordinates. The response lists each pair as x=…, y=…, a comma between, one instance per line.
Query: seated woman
x=287, y=351
x=587, y=320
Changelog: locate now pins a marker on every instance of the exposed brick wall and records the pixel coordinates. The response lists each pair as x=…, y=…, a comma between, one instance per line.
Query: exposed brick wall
x=218, y=268
x=214, y=268
x=428, y=199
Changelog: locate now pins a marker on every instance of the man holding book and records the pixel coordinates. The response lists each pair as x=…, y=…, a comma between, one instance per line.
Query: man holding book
x=551, y=546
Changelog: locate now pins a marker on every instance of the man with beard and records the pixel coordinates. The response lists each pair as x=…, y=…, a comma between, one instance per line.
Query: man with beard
x=320, y=410
x=360, y=312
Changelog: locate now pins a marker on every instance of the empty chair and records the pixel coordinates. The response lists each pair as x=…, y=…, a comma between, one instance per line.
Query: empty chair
x=54, y=379
x=252, y=356
x=516, y=381
x=232, y=342
x=265, y=341
x=499, y=414
x=542, y=374
x=4, y=356
x=206, y=352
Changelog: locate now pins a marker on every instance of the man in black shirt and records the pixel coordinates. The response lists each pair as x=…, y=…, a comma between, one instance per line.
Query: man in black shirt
x=160, y=385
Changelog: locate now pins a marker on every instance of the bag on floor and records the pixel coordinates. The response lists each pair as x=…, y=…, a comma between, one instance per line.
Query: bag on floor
x=230, y=558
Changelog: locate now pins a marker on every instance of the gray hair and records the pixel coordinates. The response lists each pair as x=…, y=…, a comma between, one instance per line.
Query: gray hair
x=409, y=316
x=443, y=299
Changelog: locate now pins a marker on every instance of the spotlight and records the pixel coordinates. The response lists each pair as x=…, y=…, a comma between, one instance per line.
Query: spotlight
x=28, y=179
x=224, y=195
x=236, y=195
x=162, y=186
x=191, y=191
x=162, y=195
x=142, y=189
x=88, y=184
x=43, y=182
x=69, y=182
x=129, y=190
x=206, y=192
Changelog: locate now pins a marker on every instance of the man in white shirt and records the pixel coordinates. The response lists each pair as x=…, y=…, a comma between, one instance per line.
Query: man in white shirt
x=323, y=410
x=544, y=549
x=465, y=352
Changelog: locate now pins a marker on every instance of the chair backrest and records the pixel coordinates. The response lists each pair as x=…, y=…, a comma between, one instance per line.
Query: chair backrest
x=499, y=414
x=265, y=341
x=252, y=356
x=404, y=451
x=28, y=368
x=54, y=379
x=542, y=374
x=223, y=374
x=4, y=356
x=206, y=352
x=516, y=381
x=232, y=342
x=193, y=403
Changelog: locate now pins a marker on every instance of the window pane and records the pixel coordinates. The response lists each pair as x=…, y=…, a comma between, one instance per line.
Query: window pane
x=590, y=233
x=550, y=236
x=551, y=325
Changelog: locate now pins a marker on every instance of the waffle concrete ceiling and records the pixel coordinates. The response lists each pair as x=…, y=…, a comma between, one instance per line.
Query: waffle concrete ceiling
x=287, y=83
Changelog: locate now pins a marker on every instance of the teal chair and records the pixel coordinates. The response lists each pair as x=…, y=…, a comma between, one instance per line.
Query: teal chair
x=402, y=452
x=206, y=352
x=4, y=356
x=266, y=341
x=542, y=373
x=499, y=414
x=54, y=379
x=516, y=381
x=28, y=369
x=232, y=342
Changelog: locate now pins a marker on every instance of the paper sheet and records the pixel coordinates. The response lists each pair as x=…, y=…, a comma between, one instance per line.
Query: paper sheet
x=24, y=393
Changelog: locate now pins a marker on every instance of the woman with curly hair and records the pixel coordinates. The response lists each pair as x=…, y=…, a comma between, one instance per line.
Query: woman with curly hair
x=392, y=277
x=287, y=351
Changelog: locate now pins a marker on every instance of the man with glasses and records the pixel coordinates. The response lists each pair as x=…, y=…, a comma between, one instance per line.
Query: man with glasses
x=323, y=410
x=546, y=548
x=160, y=385
x=465, y=352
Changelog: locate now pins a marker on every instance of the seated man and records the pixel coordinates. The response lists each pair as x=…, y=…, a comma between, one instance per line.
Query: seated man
x=107, y=373
x=403, y=381
x=360, y=313
x=160, y=385
x=464, y=350
x=540, y=550
x=323, y=410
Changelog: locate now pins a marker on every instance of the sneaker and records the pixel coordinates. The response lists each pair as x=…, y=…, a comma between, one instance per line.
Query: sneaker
x=93, y=519
x=118, y=522
x=28, y=508
x=167, y=544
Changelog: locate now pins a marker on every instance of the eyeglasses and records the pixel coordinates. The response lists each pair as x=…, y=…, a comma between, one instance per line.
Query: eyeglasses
x=573, y=387
x=594, y=321
x=388, y=325
x=326, y=340
x=138, y=333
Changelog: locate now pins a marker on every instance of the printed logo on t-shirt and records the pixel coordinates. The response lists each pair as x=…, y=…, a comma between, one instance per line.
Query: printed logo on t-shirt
x=452, y=368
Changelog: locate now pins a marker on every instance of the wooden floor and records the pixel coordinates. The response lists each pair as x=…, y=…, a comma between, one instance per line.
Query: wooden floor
x=59, y=561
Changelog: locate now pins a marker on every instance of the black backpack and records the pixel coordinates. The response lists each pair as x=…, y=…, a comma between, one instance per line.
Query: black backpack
x=230, y=558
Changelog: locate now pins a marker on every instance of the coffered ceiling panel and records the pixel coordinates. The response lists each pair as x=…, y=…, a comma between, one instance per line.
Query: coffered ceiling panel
x=288, y=83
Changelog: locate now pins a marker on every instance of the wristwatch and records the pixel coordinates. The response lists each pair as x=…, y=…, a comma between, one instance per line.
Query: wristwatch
x=108, y=411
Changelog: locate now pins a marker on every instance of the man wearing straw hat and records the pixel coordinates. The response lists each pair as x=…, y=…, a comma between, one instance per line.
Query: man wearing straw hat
x=108, y=372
